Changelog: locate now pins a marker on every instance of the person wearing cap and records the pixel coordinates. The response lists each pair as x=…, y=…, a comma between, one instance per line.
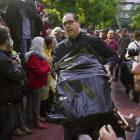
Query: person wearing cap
x=58, y=32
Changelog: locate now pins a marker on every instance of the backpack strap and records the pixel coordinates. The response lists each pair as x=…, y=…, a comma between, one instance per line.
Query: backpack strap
x=137, y=45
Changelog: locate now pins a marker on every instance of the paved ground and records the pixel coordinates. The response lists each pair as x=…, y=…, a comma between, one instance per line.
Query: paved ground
x=55, y=132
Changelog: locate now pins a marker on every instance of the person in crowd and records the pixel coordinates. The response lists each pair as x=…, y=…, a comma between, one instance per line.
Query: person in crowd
x=44, y=32
x=118, y=36
x=107, y=133
x=38, y=68
x=54, y=43
x=133, y=45
x=46, y=97
x=97, y=32
x=20, y=17
x=58, y=32
x=8, y=78
x=92, y=32
x=123, y=44
x=10, y=48
x=40, y=26
x=131, y=36
x=71, y=24
x=110, y=41
x=3, y=16
x=102, y=35
x=20, y=128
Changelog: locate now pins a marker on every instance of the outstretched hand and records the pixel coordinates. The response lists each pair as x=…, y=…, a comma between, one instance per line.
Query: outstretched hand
x=107, y=67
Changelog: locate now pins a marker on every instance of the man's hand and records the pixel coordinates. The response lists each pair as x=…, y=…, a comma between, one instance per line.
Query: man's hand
x=131, y=119
x=107, y=67
x=55, y=82
x=107, y=134
x=117, y=66
x=119, y=57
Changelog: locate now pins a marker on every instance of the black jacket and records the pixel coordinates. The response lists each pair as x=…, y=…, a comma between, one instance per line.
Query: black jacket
x=123, y=44
x=14, y=18
x=10, y=79
x=99, y=46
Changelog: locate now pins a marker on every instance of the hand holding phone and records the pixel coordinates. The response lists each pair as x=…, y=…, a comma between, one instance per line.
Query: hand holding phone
x=127, y=122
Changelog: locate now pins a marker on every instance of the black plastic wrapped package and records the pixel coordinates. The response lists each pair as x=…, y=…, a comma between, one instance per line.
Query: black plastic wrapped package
x=83, y=102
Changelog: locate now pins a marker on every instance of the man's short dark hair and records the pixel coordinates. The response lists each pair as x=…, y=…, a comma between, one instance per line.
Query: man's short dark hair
x=75, y=17
x=124, y=29
x=48, y=40
x=3, y=35
x=103, y=31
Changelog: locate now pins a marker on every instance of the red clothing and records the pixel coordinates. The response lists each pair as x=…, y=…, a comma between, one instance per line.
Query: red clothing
x=38, y=71
x=44, y=31
x=42, y=7
x=113, y=44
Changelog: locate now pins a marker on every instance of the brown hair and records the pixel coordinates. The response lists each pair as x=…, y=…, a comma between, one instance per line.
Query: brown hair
x=136, y=35
x=48, y=40
x=3, y=35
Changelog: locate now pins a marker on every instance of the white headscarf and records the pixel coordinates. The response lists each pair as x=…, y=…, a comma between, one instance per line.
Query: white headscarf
x=37, y=46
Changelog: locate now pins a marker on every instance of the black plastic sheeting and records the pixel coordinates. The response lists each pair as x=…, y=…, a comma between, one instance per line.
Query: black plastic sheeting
x=83, y=102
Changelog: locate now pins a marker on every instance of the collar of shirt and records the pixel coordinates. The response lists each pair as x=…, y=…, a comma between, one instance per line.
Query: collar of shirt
x=75, y=39
x=109, y=41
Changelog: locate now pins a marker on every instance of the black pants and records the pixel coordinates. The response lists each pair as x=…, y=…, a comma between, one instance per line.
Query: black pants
x=46, y=104
x=68, y=135
x=136, y=96
x=6, y=122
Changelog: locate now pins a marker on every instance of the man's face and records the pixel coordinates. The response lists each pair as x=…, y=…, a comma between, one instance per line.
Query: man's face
x=136, y=72
x=110, y=34
x=72, y=29
x=102, y=36
x=59, y=34
x=123, y=33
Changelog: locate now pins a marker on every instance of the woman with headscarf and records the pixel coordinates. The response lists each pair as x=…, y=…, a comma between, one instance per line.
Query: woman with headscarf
x=38, y=73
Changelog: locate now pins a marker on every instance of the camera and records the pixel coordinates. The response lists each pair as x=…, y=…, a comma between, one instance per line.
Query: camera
x=133, y=52
x=13, y=57
x=44, y=12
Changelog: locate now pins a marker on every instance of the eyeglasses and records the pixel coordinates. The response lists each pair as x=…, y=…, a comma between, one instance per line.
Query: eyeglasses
x=69, y=22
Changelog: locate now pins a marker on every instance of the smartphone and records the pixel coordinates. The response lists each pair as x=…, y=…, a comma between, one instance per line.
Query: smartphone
x=122, y=118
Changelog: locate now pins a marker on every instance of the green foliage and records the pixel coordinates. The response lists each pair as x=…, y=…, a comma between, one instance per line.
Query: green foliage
x=136, y=19
x=91, y=12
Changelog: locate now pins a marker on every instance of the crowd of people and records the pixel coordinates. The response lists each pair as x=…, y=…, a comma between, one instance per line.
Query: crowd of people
x=29, y=48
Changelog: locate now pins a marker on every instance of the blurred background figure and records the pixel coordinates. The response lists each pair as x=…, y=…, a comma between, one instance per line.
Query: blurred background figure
x=58, y=32
x=103, y=35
